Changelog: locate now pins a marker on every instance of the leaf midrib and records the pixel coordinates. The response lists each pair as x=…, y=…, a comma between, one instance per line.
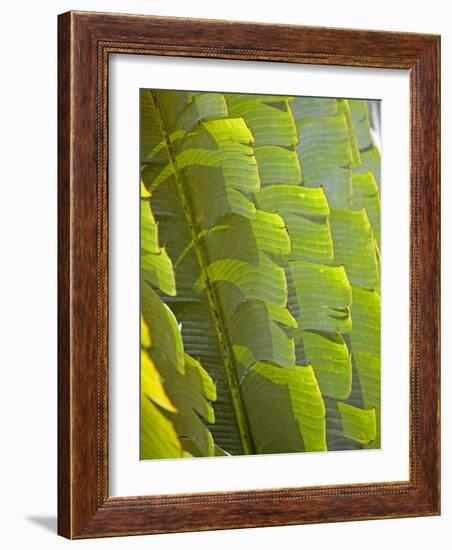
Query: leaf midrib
x=220, y=327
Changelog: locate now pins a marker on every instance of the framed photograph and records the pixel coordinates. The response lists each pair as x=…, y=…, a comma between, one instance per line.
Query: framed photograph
x=248, y=275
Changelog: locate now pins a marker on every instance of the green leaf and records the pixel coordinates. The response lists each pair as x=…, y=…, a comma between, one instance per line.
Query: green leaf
x=325, y=155
x=159, y=438
x=165, y=336
x=256, y=335
x=271, y=123
x=188, y=393
x=265, y=286
x=285, y=408
x=277, y=165
x=152, y=143
x=322, y=297
x=156, y=267
x=365, y=347
x=371, y=160
x=313, y=107
x=175, y=389
x=235, y=171
x=294, y=200
x=344, y=107
x=185, y=109
x=366, y=309
x=269, y=118
x=200, y=341
x=151, y=384
x=186, y=384
x=354, y=244
x=361, y=123
x=354, y=247
x=366, y=195
x=331, y=360
x=305, y=212
x=264, y=280
x=228, y=130
x=368, y=369
x=358, y=424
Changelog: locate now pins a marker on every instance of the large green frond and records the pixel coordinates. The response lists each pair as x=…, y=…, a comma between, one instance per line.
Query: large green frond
x=176, y=392
x=260, y=260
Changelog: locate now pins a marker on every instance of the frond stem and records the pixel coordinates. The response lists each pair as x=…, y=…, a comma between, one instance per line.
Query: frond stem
x=221, y=329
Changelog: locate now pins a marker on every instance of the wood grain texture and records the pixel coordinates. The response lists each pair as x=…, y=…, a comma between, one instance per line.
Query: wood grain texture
x=85, y=42
x=64, y=295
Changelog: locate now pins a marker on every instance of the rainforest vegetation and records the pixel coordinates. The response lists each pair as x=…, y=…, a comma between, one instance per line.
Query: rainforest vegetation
x=260, y=274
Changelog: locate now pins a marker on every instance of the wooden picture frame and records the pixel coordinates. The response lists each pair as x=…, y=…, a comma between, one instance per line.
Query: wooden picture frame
x=86, y=40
